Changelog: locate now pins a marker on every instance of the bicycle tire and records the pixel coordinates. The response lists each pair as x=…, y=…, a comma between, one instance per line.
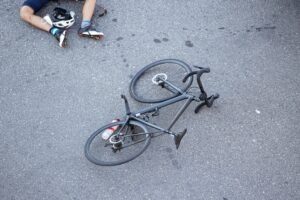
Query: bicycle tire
x=138, y=87
x=108, y=157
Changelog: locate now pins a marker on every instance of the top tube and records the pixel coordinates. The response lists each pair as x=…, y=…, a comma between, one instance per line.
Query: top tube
x=163, y=104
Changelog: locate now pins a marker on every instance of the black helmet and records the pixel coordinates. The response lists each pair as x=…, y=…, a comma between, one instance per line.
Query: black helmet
x=62, y=18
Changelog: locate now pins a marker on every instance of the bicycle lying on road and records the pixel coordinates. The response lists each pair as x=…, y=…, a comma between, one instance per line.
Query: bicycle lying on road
x=163, y=82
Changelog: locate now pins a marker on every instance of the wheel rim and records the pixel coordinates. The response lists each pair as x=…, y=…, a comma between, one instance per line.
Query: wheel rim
x=144, y=89
x=101, y=152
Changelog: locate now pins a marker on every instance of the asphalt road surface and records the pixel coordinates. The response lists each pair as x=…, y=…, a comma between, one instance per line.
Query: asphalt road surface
x=245, y=147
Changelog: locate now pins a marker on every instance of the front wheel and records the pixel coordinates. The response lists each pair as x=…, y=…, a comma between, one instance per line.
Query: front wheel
x=145, y=88
x=128, y=141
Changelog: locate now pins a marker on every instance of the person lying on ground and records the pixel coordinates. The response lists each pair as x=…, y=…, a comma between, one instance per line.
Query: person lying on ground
x=31, y=7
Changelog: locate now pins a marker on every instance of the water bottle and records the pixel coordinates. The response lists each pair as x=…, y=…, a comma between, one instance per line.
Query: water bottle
x=109, y=131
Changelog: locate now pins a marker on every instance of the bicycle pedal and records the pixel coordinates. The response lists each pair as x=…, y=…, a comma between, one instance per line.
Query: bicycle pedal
x=178, y=137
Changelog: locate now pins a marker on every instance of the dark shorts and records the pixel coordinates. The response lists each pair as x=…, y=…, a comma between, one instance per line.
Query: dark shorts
x=36, y=5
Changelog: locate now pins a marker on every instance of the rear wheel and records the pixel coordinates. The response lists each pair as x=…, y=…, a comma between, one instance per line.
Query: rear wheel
x=128, y=141
x=145, y=85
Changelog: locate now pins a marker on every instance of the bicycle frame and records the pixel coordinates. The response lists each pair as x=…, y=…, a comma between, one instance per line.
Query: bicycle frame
x=184, y=96
x=123, y=134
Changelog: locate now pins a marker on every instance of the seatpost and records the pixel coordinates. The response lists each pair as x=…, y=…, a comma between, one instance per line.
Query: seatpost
x=128, y=112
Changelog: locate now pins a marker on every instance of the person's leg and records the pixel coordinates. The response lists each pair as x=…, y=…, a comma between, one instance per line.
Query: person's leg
x=87, y=13
x=88, y=9
x=85, y=29
x=27, y=14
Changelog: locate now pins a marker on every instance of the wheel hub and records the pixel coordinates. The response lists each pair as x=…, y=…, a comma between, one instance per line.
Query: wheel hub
x=159, y=78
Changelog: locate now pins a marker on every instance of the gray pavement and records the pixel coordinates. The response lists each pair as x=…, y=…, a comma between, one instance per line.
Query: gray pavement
x=245, y=147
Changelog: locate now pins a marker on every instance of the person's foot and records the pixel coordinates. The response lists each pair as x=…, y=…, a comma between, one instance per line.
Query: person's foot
x=61, y=37
x=90, y=32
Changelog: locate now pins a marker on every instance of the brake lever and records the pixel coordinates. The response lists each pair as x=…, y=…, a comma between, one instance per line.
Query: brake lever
x=208, y=102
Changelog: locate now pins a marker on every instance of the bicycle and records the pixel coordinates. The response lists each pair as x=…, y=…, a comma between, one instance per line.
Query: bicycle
x=130, y=136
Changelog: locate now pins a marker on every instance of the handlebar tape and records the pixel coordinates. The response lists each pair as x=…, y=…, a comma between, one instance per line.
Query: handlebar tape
x=199, y=73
